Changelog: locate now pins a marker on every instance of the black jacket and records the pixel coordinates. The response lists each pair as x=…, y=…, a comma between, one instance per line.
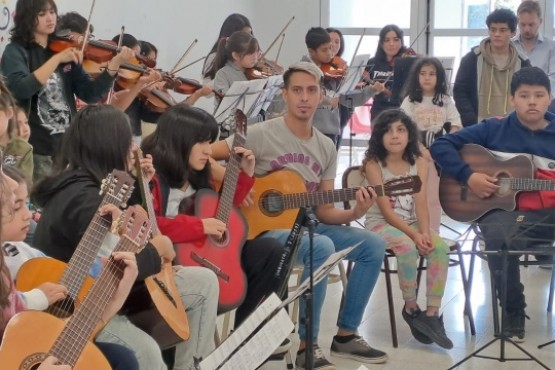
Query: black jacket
x=69, y=203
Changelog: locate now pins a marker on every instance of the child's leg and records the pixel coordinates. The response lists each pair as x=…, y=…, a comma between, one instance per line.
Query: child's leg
x=434, y=207
x=407, y=257
x=437, y=264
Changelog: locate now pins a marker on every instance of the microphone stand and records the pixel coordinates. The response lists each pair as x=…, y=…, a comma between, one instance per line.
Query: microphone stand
x=311, y=222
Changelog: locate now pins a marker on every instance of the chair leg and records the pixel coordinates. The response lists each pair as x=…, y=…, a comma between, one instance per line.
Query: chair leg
x=289, y=360
x=467, y=305
x=419, y=270
x=551, y=287
x=390, y=303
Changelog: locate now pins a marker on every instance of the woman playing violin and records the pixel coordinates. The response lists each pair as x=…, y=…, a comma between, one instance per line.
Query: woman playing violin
x=234, y=56
x=380, y=67
x=134, y=99
x=233, y=23
x=44, y=83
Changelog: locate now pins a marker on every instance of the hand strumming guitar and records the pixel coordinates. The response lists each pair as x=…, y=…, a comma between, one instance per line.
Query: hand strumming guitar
x=50, y=364
x=213, y=226
x=482, y=185
x=53, y=292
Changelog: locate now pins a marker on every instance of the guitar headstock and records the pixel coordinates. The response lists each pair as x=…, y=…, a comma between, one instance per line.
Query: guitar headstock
x=134, y=225
x=401, y=186
x=240, y=123
x=118, y=185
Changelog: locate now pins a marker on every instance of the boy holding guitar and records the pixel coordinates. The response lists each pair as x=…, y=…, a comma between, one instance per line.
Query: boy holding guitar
x=528, y=131
x=291, y=142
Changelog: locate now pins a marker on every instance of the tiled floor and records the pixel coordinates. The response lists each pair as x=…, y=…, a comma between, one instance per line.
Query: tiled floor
x=411, y=354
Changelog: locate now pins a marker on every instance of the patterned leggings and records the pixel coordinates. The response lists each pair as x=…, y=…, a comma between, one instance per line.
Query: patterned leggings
x=437, y=263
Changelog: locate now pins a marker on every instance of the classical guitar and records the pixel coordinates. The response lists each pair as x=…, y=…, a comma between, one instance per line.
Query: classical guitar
x=156, y=307
x=514, y=175
x=278, y=195
x=115, y=189
x=31, y=336
x=222, y=255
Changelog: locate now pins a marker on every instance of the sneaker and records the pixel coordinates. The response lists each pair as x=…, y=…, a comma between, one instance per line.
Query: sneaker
x=417, y=334
x=359, y=350
x=514, y=325
x=432, y=327
x=320, y=361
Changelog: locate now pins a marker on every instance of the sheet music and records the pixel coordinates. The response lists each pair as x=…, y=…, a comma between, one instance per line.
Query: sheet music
x=320, y=273
x=242, y=95
x=258, y=348
x=354, y=74
x=272, y=87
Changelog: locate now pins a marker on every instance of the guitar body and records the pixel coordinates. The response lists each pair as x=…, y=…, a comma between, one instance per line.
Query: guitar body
x=164, y=316
x=260, y=218
x=30, y=335
x=221, y=256
x=37, y=271
x=461, y=204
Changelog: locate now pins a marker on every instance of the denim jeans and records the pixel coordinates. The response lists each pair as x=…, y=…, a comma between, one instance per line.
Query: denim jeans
x=368, y=258
x=199, y=292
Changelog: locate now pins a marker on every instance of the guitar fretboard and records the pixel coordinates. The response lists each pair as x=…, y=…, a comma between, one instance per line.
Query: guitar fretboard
x=316, y=198
x=529, y=184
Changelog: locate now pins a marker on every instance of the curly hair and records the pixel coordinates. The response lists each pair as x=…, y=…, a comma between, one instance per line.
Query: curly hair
x=25, y=19
x=376, y=150
x=413, y=89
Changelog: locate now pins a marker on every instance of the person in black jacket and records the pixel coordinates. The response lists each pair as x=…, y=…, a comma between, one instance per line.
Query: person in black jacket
x=482, y=85
x=45, y=83
x=98, y=141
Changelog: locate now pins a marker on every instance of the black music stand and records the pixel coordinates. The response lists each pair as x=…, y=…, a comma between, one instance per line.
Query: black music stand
x=499, y=325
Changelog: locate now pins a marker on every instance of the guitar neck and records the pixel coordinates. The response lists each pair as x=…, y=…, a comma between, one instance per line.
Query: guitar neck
x=86, y=252
x=316, y=198
x=145, y=191
x=230, y=181
x=75, y=335
x=524, y=184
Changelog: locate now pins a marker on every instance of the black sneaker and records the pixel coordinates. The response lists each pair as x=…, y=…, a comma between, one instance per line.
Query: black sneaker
x=514, y=325
x=320, y=361
x=417, y=334
x=432, y=327
x=359, y=350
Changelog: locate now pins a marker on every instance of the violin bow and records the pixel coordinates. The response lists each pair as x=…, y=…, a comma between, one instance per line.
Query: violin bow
x=419, y=34
x=190, y=64
x=88, y=30
x=174, y=69
x=352, y=59
x=277, y=37
x=280, y=45
x=111, y=92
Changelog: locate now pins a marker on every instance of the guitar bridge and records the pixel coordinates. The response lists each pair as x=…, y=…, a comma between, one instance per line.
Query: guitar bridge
x=166, y=291
x=206, y=263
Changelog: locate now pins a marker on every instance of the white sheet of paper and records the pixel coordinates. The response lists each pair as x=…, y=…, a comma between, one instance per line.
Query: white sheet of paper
x=272, y=87
x=256, y=350
x=354, y=73
x=320, y=273
x=232, y=99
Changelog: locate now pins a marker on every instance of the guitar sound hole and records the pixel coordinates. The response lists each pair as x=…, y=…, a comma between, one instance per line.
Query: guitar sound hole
x=504, y=186
x=271, y=203
x=63, y=309
x=223, y=241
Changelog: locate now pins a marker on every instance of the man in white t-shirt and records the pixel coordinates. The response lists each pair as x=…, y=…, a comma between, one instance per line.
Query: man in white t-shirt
x=291, y=142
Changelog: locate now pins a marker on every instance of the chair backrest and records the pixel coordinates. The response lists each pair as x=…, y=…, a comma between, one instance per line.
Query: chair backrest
x=352, y=178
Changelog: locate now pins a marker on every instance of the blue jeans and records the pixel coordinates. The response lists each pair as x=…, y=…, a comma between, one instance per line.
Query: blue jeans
x=368, y=257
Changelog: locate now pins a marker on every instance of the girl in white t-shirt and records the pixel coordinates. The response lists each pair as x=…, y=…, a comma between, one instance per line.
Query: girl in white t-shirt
x=435, y=114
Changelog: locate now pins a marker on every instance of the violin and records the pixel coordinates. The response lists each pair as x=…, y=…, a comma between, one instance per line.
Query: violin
x=335, y=69
x=95, y=50
x=187, y=86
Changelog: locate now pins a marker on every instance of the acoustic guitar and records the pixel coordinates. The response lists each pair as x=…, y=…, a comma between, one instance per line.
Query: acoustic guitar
x=222, y=255
x=31, y=336
x=116, y=189
x=156, y=307
x=278, y=196
x=514, y=175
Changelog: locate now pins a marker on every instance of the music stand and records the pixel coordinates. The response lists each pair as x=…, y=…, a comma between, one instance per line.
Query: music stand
x=499, y=326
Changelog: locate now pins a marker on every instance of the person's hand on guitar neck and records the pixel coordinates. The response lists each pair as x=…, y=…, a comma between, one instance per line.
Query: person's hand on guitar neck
x=482, y=185
x=365, y=197
x=247, y=160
